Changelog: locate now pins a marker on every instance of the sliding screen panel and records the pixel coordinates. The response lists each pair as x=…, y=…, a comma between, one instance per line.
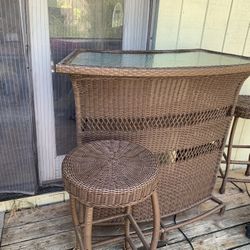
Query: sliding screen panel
x=17, y=132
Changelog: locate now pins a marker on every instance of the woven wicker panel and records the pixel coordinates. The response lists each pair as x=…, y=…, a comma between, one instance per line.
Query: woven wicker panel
x=184, y=121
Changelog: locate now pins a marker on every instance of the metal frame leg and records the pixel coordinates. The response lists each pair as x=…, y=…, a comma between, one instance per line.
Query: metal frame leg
x=127, y=227
x=87, y=231
x=157, y=217
x=81, y=215
x=229, y=152
x=85, y=242
x=220, y=169
x=156, y=226
x=77, y=226
x=247, y=173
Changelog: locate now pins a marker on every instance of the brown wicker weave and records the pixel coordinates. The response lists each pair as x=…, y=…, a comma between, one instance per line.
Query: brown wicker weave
x=242, y=110
x=182, y=115
x=110, y=174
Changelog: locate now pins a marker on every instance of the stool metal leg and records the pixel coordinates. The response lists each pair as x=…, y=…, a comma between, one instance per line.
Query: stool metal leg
x=229, y=152
x=81, y=215
x=127, y=227
x=87, y=240
x=247, y=173
x=157, y=216
x=76, y=222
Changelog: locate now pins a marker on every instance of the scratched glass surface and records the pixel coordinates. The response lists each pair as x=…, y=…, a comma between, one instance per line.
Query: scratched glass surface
x=157, y=60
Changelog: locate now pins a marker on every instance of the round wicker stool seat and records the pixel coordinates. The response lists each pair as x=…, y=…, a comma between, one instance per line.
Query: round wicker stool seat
x=242, y=109
x=110, y=174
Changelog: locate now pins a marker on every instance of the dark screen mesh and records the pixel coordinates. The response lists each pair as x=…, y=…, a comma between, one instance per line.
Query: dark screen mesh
x=17, y=136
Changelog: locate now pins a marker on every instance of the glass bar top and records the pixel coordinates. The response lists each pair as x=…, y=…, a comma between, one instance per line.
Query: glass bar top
x=196, y=58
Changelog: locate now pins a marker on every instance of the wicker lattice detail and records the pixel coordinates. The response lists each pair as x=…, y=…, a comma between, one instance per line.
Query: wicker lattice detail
x=173, y=156
x=141, y=123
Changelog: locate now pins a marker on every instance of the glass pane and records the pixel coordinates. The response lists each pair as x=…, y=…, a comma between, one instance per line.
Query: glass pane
x=17, y=143
x=157, y=60
x=89, y=24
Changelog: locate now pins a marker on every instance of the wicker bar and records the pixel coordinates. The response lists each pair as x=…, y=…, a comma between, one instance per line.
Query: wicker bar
x=181, y=113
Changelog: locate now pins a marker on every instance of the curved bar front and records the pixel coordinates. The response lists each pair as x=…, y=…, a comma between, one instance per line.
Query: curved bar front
x=182, y=114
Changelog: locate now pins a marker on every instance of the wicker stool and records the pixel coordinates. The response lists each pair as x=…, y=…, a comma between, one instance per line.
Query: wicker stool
x=242, y=110
x=110, y=174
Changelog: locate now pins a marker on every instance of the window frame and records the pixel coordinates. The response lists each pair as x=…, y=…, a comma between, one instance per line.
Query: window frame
x=49, y=163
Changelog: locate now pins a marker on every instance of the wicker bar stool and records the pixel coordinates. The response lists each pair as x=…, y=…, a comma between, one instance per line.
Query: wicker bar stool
x=110, y=174
x=242, y=110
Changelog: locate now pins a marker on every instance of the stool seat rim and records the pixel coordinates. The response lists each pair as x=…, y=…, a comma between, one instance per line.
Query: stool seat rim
x=121, y=171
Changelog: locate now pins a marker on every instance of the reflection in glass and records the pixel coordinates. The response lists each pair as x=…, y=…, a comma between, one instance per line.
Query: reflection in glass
x=89, y=24
x=157, y=60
